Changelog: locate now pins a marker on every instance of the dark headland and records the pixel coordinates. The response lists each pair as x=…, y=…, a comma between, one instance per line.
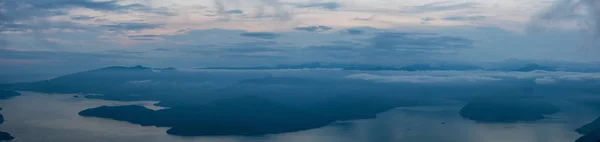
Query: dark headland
x=508, y=108
x=4, y=94
x=4, y=136
x=590, y=131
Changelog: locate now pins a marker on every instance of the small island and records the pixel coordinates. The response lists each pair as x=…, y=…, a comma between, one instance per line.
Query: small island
x=249, y=115
x=5, y=136
x=5, y=94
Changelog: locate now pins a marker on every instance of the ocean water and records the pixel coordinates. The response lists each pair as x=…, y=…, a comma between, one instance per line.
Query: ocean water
x=38, y=117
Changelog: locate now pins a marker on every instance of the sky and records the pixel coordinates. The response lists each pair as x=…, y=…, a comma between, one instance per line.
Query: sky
x=65, y=35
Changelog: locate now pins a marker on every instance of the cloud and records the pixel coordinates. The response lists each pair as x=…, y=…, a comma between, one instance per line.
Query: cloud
x=82, y=17
x=387, y=47
x=223, y=12
x=110, y=5
x=426, y=20
x=585, y=12
x=263, y=8
x=131, y=26
x=325, y=5
x=279, y=11
x=251, y=47
x=34, y=16
x=313, y=28
x=144, y=37
x=580, y=77
x=422, y=78
x=56, y=40
x=556, y=77
x=365, y=19
x=20, y=11
x=464, y=18
x=234, y=11
x=13, y=27
x=236, y=51
x=220, y=6
x=139, y=81
x=353, y=31
x=545, y=80
x=428, y=41
x=261, y=35
x=439, y=6
x=222, y=9
x=124, y=52
x=162, y=49
x=538, y=77
x=365, y=45
x=65, y=57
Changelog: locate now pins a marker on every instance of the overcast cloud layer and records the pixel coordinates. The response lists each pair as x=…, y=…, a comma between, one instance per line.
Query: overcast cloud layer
x=67, y=35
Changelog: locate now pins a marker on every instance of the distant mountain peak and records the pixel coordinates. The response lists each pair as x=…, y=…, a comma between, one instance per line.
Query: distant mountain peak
x=140, y=67
x=169, y=68
x=137, y=67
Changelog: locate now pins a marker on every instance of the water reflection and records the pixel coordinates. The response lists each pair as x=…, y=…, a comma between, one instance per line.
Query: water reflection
x=36, y=117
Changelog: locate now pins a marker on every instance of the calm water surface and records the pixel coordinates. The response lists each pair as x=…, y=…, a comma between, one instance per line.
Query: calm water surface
x=37, y=117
